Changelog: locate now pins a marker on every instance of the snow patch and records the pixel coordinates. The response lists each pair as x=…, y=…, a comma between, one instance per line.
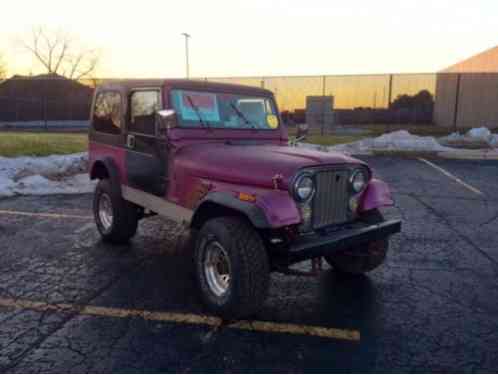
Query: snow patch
x=476, y=136
x=6, y=186
x=479, y=133
x=400, y=140
x=55, y=174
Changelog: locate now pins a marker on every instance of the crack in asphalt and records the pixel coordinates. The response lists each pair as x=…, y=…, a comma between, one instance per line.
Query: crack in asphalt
x=469, y=241
x=208, y=338
x=493, y=218
x=428, y=309
x=71, y=315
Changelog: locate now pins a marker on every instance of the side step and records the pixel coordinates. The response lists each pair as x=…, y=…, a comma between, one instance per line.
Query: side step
x=156, y=204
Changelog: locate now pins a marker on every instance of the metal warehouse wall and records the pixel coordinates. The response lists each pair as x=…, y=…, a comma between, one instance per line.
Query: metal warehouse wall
x=466, y=100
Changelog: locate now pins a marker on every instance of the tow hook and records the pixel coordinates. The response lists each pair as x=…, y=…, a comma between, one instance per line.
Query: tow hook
x=276, y=180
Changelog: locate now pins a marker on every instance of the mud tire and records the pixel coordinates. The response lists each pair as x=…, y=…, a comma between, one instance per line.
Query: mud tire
x=124, y=215
x=248, y=264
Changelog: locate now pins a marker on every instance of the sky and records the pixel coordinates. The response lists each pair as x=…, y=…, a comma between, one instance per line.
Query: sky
x=257, y=37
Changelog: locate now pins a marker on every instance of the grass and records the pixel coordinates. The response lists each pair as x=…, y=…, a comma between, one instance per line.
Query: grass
x=422, y=130
x=13, y=144
x=364, y=131
x=333, y=139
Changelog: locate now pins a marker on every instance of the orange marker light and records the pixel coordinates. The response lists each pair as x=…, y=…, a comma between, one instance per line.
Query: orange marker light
x=247, y=197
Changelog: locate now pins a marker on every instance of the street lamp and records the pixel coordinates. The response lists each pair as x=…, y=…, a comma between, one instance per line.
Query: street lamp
x=187, y=36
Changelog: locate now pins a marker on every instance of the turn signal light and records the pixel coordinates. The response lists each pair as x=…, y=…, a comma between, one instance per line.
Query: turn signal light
x=247, y=197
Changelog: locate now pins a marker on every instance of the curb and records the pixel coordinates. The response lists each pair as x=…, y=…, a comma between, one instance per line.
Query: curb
x=470, y=154
x=458, y=154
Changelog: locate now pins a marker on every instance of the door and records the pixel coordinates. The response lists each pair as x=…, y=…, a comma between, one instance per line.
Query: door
x=146, y=151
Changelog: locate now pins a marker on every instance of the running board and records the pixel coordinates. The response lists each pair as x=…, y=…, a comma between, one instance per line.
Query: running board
x=156, y=204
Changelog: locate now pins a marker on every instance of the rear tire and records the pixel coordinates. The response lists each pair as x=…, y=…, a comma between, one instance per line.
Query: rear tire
x=116, y=219
x=231, y=267
x=360, y=261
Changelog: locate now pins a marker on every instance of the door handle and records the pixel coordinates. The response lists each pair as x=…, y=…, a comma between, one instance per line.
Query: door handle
x=130, y=141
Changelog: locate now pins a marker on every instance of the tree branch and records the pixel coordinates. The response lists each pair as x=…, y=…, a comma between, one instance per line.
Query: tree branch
x=3, y=69
x=62, y=56
x=34, y=49
x=58, y=54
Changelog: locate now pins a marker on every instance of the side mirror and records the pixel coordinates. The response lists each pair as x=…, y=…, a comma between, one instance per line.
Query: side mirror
x=166, y=119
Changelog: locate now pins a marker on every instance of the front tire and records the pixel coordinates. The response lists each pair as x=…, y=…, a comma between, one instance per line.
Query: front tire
x=232, y=267
x=116, y=219
x=360, y=261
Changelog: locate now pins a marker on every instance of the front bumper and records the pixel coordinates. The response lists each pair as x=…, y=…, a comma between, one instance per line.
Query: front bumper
x=317, y=245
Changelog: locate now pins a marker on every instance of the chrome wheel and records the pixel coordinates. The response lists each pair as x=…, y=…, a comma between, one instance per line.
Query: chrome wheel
x=105, y=211
x=217, y=268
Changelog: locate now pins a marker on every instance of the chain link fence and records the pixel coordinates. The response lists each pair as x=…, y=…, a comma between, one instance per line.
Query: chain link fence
x=325, y=102
x=351, y=100
x=44, y=102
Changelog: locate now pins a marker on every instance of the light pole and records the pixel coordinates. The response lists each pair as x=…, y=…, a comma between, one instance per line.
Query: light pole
x=187, y=36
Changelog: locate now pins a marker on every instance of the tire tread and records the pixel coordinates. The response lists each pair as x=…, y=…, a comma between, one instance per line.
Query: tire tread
x=250, y=288
x=125, y=216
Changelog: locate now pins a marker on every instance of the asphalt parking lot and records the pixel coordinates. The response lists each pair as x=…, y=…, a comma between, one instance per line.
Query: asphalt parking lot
x=69, y=303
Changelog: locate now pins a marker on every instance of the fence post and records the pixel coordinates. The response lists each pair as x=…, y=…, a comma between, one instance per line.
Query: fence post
x=457, y=100
x=70, y=108
x=45, y=112
x=323, y=106
x=390, y=94
x=44, y=93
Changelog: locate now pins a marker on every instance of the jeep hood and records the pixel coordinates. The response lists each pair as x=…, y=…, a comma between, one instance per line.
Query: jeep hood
x=254, y=165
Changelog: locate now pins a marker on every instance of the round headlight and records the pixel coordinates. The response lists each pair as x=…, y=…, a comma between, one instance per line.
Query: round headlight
x=358, y=181
x=304, y=188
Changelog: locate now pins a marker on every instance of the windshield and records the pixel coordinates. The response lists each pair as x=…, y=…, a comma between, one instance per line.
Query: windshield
x=227, y=111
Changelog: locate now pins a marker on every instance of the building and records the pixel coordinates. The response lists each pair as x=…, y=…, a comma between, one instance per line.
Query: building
x=467, y=92
x=47, y=97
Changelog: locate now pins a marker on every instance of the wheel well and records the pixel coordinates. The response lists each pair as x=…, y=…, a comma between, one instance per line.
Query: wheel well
x=210, y=210
x=99, y=170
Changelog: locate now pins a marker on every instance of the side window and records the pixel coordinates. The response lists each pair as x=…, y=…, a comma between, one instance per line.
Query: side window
x=143, y=107
x=107, y=113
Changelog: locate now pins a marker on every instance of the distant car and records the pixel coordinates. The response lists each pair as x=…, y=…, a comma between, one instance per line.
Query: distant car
x=216, y=157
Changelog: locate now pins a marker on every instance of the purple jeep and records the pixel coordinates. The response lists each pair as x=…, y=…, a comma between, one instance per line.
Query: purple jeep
x=216, y=157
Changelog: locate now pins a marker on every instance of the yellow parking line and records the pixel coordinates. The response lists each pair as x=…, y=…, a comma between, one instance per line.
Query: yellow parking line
x=298, y=329
x=42, y=214
x=256, y=326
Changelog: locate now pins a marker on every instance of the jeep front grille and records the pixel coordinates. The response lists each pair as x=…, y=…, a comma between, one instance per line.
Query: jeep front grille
x=330, y=204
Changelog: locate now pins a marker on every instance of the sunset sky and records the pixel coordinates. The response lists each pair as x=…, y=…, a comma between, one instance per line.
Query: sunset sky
x=258, y=37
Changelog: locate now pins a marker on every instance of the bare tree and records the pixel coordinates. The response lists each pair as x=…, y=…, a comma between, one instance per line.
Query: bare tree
x=60, y=54
x=3, y=68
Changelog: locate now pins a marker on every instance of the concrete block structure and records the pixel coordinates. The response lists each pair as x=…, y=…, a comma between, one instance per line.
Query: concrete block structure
x=320, y=112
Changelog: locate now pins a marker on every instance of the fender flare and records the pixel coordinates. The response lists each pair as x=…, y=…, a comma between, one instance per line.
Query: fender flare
x=250, y=210
x=112, y=171
x=376, y=195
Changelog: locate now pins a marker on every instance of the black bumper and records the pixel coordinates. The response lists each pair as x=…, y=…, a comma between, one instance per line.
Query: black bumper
x=314, y=246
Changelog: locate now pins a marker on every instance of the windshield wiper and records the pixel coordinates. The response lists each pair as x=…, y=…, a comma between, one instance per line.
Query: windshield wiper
x=242, y=116
x=197, y=112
